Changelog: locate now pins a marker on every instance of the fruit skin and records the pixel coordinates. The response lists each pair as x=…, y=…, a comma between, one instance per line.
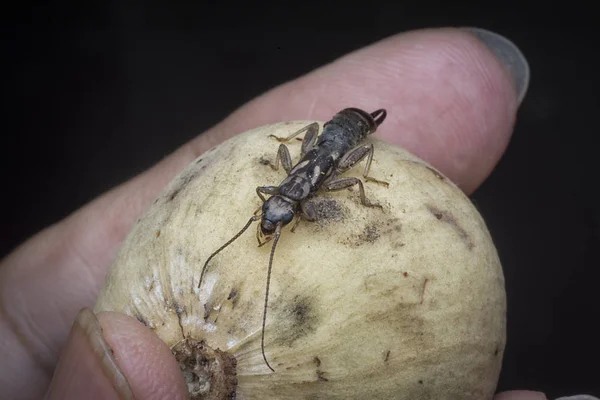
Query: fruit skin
x=407, y=302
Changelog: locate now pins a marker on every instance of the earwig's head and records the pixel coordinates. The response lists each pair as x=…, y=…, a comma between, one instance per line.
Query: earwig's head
x=275, y=211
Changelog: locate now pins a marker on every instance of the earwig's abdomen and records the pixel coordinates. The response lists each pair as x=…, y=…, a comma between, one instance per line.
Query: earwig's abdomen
x=350, y=126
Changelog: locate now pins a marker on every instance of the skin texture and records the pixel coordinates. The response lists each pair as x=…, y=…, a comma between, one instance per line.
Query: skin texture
x=452, y=103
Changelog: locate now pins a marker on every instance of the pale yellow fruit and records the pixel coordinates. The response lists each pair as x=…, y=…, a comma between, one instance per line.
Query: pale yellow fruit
x=407, y=302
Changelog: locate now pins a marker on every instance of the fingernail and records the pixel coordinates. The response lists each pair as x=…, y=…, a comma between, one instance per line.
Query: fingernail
x=87, y=368
x=509, y=55
x=578, y=397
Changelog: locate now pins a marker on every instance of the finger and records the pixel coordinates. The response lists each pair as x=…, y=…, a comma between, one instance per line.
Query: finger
x=115, y=357
x=520, y=395
x=449, y=101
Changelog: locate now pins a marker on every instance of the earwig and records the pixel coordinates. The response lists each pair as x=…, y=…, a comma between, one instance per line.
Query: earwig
x=322, y=159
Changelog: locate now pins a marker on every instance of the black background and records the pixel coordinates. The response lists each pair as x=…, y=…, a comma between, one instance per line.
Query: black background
x=97, y=94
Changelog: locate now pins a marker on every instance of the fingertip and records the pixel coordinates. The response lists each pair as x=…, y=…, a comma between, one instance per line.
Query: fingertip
x=509, y=55
x=113, y=356
x=87, y=367
x=454, y=103
x=144, y=358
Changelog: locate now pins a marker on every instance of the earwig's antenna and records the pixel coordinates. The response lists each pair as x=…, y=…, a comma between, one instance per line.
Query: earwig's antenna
x=379, y=116
x=262, y=338
x=250, y=221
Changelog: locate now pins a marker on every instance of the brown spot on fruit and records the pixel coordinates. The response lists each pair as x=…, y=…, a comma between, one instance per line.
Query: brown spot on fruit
x=264, y=161
x=178, y=311
x=328, y=209
x=423, y=293
x=297, y=319
x=369, y=234
x=141, y=319
x=183, y=182
x=373, y=231
x=233, y=297
x=321, y=376
x=445, y=216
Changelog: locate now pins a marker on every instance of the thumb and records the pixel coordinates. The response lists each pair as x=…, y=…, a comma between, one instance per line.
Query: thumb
x=113, y=356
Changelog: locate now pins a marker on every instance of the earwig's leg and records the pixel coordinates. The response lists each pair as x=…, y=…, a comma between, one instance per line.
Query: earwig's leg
x=309, y=139
x=283, y=155
x=298, y=218
x=312, y=132
x=343, y=183
x=308, y=210
x=355, y=156
x=308, y=213
x=293, y=135
x=272, y=190
x=368, y=168
x=259, y=238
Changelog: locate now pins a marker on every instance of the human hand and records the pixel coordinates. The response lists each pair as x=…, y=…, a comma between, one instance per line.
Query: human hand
x=450, y=101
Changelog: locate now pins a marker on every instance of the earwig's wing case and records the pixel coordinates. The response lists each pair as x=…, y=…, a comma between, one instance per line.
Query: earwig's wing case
x=406, y=302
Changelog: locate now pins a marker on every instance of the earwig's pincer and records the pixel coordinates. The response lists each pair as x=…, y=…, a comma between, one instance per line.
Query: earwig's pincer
x=323, y=158
x=378, y=116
